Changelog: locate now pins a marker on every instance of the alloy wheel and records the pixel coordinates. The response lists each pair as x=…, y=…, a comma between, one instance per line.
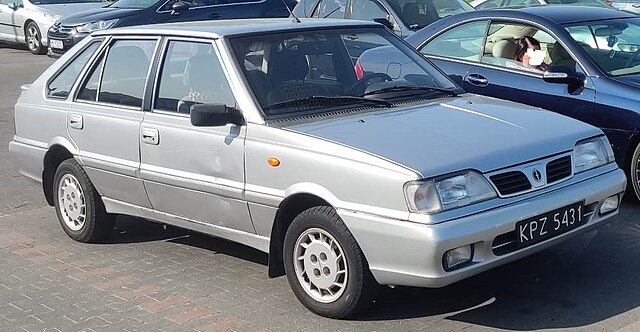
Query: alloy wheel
x=72, y=202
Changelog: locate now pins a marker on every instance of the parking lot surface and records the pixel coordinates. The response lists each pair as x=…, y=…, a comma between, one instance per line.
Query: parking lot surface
x=146, y=278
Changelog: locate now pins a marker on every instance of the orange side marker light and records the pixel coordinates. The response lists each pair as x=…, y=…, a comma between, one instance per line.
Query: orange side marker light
x=273, y=161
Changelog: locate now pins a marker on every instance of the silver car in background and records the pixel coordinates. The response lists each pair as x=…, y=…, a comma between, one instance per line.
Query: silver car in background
x=27, y=21
x=275, y=134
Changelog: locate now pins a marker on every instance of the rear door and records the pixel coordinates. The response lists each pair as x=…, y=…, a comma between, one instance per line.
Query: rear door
x=106, y=116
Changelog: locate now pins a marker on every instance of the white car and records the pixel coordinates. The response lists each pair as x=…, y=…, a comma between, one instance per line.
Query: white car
x=489, y=4
x=22, y=21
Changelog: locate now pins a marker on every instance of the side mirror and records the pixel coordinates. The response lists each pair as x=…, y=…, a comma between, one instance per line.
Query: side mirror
x=386, y=22
x=563, y=75
x=14, y=5
x=215, y=115
x=178, y=7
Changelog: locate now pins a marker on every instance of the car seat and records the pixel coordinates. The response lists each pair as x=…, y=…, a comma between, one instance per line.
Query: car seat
x=204, y=84
x=560, y=57
x=412, y=15
x=287, y=72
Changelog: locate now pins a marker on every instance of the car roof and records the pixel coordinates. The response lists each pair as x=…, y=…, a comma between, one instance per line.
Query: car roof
x=561, y=14
x=222, y=28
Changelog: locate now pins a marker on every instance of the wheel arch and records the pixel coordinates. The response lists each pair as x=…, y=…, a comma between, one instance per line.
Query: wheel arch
x=55, y=155
x=288, y=209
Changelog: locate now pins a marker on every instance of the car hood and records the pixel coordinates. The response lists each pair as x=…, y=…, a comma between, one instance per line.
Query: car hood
x=63, y=9
x=97, y=14
x=447, y=135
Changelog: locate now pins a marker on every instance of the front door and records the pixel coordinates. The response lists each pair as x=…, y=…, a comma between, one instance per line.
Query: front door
x=193, y=172
x=10, y=24
x=105, y=119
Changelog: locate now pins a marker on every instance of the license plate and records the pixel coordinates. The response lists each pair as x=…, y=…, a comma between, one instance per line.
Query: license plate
x=56, y=43
x=550, y=224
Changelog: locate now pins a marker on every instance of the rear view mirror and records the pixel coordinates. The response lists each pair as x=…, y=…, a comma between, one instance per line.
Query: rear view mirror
x=384, y=21
x=215, y=115
x=563, y=75
x=178, y=7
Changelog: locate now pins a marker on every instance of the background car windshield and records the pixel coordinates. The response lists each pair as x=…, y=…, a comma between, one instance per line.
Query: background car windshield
x=134, y=3
x=56, y=2
x=321, y=70
x=420, y=13
x=614, y=44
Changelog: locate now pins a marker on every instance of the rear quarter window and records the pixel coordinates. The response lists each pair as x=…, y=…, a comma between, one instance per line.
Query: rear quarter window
x=60, y=85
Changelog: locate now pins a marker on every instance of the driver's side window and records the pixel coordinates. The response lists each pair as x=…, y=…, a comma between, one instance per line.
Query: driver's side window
x=367, y=10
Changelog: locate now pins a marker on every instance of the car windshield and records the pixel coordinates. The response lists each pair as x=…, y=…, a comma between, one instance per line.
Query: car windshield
x=320, y=71
x=134, y=3
x=57, y=2
x=416, y=14
x=613, y=44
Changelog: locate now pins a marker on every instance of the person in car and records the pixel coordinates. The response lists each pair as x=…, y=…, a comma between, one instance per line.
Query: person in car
x=523, y=53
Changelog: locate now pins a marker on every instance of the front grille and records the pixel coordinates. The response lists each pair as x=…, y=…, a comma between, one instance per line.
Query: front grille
x=559, y=169
x=60, y=32
x=511, y=182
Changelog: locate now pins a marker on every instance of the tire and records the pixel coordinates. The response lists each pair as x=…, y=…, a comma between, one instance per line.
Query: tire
x=78, y=205
x=634, y=174
x=33, y=38
x=352, y=287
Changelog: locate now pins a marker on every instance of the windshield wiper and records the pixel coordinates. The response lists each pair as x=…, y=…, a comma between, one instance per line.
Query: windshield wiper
x=403, y=88
x=329, y=100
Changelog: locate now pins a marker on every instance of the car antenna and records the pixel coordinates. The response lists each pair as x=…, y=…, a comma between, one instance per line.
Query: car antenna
x=293, y=16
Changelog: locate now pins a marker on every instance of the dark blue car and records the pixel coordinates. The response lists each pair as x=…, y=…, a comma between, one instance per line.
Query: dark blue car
x=582, y=62
x=69, y=30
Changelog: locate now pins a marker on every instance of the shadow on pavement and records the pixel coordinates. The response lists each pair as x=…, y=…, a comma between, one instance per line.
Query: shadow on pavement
x=580, y=282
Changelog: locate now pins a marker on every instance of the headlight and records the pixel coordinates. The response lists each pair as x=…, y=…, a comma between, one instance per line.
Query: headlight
x=447, y=192
x=95, y=26
x=592, y=153
x=51, y=17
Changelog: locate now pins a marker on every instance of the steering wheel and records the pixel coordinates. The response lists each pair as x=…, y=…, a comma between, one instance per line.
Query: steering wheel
x=632, y=58
x=362, y=84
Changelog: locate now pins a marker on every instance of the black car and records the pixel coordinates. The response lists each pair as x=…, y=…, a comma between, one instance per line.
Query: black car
x=70, y=29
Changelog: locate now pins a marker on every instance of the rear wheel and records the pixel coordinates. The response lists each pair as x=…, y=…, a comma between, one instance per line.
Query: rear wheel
x=78, y=205
x=325, y=266
x=634, y=179
x=34, y=38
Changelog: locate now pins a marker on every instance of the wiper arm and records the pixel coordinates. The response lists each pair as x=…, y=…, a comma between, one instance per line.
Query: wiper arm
x=402, y=88
x=330, y=100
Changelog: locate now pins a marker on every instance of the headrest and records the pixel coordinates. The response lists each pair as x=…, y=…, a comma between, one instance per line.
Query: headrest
x=504, y=49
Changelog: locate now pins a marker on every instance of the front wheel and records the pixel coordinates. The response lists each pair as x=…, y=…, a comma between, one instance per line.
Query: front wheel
x=634, y=178
x=34, y=38
x=325, y=266
x=78, y=204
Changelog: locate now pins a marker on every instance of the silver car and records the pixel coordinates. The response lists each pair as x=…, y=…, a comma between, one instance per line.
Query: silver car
x=270, y=133
x=25, y=21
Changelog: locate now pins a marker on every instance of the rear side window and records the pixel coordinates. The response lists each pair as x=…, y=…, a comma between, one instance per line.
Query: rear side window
x=60, y=86
x=464, y=42
x=120, y=77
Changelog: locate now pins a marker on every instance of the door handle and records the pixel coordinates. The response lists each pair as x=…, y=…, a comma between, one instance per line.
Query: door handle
x=76, y=121
x=477, y=80
x=150, y=136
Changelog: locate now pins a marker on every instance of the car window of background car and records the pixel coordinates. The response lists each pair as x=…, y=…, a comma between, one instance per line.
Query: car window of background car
x=134, y=3
x=367, y=10
x=60, y=86
x=614, y=45
x=191, y=74
x=331, y=9
x=462, y=42
x=490, y=4
x=510, y=3
x=124, y=74
x=418, y=14
x=592, y=3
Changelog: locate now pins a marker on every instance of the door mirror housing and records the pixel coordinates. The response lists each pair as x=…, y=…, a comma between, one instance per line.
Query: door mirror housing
x=179, y=7
x=14, y=5
x=563, y=75
x=215, y=115
x=386, y=22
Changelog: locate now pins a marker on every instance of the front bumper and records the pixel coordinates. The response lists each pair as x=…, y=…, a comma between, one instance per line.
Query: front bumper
x=410, y=254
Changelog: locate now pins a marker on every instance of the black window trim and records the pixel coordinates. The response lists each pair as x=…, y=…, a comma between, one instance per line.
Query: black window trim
x=104, y=53
x=81, y=74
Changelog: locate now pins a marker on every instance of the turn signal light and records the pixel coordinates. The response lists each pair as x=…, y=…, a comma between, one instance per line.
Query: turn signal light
x=275, y=162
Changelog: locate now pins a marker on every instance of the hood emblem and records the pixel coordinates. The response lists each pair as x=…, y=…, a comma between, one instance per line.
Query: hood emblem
x=537, y=175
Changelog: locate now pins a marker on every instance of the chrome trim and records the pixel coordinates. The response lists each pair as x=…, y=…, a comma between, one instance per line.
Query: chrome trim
x=524, y=167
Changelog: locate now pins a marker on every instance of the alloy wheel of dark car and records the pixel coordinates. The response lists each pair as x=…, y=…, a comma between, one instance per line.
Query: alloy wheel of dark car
x=634, y=180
